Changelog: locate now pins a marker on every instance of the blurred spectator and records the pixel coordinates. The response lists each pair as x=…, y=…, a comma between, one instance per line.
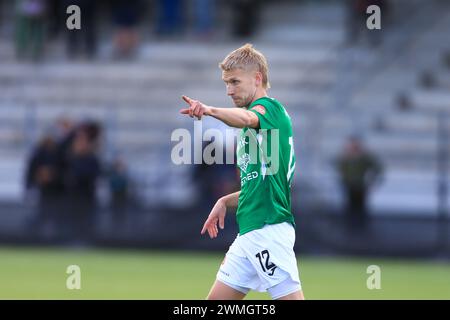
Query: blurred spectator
x=215, y=180
x=30, y=28
x=93, y=133
x=55, y=17
x=170, y=18
x=357, y=18
x=203, y=17
x=64, y=133
x=82, y=41
x=245, y=17
x=359, y=170
x=118, y=185
x=43, y=174
x=126, y=19
x=64, y=127
x=82, y=172
x=1, y=15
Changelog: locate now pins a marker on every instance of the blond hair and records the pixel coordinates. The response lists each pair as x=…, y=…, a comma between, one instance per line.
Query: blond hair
x=247, y=57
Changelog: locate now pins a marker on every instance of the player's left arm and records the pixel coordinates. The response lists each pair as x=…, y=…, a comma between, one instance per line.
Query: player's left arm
x=218, y=212
x=234, y=117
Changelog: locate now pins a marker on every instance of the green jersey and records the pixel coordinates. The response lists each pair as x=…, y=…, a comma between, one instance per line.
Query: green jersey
x=266, y=160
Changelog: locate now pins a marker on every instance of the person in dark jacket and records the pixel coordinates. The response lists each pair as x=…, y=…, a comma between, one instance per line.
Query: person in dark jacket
x=43, y=175
x=359, y=170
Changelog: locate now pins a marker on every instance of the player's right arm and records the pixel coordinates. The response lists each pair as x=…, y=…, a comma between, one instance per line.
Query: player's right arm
x=218, y=212
x=234, y=117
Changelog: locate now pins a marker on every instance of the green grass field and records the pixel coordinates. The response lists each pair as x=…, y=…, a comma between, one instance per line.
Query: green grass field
x=40, y=273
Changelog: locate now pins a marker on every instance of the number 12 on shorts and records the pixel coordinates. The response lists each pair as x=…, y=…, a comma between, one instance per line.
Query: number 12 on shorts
x=267, y=266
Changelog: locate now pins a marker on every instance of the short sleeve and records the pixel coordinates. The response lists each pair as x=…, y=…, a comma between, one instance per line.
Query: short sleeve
x=268, y=116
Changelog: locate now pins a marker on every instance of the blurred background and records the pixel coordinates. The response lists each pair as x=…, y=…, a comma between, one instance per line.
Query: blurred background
x=86, y=118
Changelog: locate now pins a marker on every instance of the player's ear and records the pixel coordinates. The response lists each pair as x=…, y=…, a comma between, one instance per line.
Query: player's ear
x=258, y=76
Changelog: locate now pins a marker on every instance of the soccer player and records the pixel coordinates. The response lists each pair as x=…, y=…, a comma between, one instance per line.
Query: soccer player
x=261, y=257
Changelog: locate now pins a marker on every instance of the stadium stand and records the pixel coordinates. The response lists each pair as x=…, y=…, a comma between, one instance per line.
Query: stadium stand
x=331, y=91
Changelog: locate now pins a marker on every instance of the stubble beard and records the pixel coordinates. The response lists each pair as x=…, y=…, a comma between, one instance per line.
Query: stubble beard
x=246, y=102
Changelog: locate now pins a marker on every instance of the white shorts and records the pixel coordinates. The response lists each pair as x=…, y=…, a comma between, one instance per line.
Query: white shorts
x=262, y=260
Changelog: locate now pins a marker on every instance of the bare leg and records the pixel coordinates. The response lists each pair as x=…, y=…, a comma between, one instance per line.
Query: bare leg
x=298, y=295
x=220, y=291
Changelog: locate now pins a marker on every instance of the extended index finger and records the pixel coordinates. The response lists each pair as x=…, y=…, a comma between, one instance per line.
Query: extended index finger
x=187, y=99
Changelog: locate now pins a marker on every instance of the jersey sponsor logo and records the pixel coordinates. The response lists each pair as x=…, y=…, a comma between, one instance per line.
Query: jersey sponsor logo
x=249, y=176
x=242, y=143
x=260, y=109
x=243, y=161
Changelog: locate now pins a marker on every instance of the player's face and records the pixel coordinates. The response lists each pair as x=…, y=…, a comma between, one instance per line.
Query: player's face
x=241, y=86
